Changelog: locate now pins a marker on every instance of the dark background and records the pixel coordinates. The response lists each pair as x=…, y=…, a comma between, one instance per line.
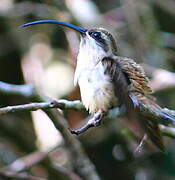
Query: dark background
x=45, y=55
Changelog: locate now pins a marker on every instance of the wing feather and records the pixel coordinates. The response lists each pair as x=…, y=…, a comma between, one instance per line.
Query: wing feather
x=131, y=87
x=136, y=75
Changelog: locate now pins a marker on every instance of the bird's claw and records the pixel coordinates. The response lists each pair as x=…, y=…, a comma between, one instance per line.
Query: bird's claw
x=93, y=122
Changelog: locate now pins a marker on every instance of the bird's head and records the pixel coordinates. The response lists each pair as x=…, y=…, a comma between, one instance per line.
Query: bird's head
x=97, y=40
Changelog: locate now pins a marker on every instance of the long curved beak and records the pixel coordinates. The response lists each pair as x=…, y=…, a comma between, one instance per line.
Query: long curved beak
x=71, y=26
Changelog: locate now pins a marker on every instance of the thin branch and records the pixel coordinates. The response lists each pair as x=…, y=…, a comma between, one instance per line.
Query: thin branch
x=77, y=105
x=61, y=104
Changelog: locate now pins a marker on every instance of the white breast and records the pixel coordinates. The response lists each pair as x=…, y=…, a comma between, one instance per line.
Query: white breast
x=96, y=89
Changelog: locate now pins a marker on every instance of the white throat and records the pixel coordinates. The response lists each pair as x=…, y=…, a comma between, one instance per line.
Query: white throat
x=90, y=54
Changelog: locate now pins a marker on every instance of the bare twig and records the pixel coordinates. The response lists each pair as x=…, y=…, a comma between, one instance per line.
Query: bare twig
x=61, y=104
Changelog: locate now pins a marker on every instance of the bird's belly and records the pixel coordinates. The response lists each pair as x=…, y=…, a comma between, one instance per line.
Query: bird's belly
x=97, y=91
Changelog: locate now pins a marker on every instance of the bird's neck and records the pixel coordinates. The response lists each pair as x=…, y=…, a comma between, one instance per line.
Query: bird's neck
x=87, y=59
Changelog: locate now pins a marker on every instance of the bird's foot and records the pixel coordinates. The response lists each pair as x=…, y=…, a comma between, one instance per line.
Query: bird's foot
x=93, y=122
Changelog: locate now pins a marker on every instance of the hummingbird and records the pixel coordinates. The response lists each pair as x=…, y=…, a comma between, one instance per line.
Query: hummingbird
x=107, y=80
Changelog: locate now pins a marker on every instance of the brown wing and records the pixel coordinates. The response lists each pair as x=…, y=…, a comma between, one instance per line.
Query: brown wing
x=120, y=81
x=136, y=75
x=131, y=86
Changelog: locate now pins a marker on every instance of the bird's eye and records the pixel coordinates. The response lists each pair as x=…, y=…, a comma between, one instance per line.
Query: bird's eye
x=95, y=35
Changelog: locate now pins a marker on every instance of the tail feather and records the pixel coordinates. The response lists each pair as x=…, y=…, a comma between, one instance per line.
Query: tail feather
x=167, y=116
x=149, y=115
x=151, y=127
x=148, y=105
